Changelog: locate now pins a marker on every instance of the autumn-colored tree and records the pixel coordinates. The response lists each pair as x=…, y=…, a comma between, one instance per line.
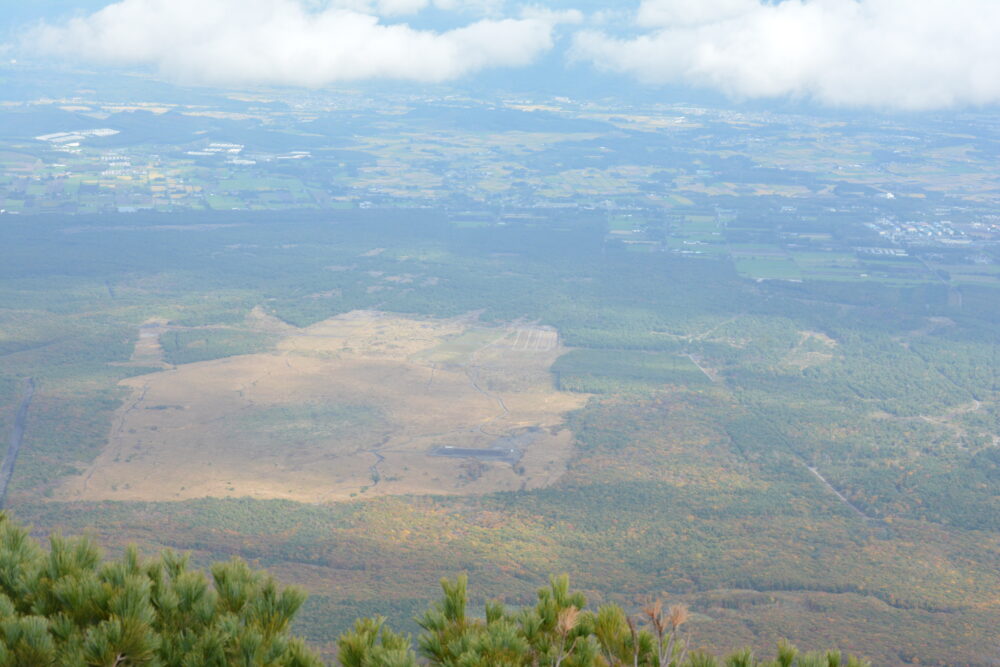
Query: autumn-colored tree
x=558, y=631
x=67, y=608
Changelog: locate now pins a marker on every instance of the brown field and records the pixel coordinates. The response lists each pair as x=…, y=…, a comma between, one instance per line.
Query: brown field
x=148, y=352
x=352, y=405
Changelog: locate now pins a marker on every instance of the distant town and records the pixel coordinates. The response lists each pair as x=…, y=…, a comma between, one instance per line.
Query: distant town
x=759, y=188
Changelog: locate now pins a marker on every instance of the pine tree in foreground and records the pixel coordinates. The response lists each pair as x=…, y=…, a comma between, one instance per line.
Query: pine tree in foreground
x=65, y=608
x=557, y=632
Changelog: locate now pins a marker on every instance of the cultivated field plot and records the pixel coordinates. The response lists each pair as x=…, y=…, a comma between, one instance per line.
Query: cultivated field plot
x=352, y=405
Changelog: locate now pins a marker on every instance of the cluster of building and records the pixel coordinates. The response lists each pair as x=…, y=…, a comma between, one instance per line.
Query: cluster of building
x=234, y=154
x=118, y=165
x=218, y=149
x=70, y=141
x=923, y=232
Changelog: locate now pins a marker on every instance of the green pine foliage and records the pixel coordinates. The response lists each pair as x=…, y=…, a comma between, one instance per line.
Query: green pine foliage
x=67, y=608
x=558, y=631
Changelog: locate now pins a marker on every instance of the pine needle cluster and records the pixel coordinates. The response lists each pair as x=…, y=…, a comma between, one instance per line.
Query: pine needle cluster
x=558, y=631
x=67, y=608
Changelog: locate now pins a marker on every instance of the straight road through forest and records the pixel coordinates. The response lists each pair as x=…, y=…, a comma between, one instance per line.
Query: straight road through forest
x=16, y=436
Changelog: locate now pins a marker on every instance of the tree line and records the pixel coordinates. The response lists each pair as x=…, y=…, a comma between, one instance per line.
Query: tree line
x=64, y=606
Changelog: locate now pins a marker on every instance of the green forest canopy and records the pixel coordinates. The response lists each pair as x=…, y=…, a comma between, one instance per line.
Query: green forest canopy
x=64, y=606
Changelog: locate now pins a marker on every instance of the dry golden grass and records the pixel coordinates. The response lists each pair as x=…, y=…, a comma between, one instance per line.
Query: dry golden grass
x=352, y=405
x=148, y=352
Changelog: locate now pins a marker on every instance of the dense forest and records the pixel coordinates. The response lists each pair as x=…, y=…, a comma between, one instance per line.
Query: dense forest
x=812, y=460
x=66, y=607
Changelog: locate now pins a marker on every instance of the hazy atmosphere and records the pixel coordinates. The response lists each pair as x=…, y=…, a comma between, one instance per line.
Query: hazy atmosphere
x=884, y=54
x=385, y=333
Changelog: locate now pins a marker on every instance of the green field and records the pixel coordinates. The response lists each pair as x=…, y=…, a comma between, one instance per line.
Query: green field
x=769, y=269
x=615, y=371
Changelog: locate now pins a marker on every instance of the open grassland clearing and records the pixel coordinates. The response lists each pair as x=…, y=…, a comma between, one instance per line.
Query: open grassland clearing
x=611, y=371
x=814, y=348
x=696, y=487
x=976, y=274
x=350, y=405
x=595, y=182
x=827, y=265
x=148, y=352
x=656, y=499
x=776, y=268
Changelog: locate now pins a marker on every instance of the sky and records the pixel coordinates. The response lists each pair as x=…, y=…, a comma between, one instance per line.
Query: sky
x=877, y=54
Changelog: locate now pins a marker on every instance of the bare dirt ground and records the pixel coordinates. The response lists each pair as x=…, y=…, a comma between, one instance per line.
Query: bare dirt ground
x=349, y=407
x=148, y=352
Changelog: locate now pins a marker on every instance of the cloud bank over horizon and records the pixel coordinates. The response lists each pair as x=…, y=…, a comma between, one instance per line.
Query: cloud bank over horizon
x=883, y=54
x=889, y=54
x=291, y=42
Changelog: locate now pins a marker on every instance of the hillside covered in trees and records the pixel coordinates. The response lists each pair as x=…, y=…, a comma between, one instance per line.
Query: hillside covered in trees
x=65, y=607
x=813, y=460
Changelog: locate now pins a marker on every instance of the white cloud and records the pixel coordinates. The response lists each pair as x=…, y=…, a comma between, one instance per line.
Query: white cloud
x=552, y=15
x=472, y=6
x=609, y=17
x=289, y=42
x=905, y=54
x=690, y=12
x=393, y=8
